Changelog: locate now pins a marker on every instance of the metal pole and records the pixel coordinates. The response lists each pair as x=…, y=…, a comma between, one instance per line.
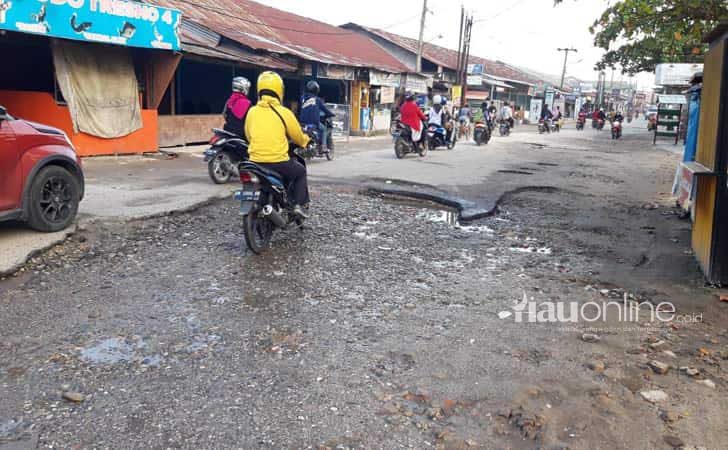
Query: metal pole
x=460, y=43
x=466, y=47
x=566, y=56
x=418, y=67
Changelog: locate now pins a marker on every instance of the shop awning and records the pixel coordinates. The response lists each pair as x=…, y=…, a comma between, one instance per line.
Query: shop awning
x=477, y=95
x=237, y=55
x=497, y=83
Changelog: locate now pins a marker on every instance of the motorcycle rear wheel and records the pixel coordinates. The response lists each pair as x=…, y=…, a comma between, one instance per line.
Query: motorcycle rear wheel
x=330, y=148
x=399, y=150
x=219, y=168
x=422, y=151
x=258, y=232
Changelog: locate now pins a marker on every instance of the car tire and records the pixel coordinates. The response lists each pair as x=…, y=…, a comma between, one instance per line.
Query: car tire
x=53, y=199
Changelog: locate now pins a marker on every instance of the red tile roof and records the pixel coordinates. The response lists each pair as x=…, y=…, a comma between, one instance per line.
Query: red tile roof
x=263, y=28
x=449, y=58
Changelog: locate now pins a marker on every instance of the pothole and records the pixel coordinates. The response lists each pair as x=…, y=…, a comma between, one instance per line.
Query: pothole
x=515, y=172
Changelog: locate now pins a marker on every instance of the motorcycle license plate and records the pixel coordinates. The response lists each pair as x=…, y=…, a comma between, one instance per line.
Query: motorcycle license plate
x=210, y=154
x=247, y=199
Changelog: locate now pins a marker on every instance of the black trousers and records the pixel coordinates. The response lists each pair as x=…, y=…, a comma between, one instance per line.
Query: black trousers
x=294, y=173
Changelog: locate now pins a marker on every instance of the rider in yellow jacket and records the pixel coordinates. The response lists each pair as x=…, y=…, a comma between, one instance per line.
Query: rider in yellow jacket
x=268, y=127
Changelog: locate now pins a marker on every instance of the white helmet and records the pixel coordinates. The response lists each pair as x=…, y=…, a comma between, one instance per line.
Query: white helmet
x=241, y=84
x=437, y=100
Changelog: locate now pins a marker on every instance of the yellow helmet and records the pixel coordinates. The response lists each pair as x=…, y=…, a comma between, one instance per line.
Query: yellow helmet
x=270, y=83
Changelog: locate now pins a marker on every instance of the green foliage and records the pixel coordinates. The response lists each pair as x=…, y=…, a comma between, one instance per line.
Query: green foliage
x=639, y=34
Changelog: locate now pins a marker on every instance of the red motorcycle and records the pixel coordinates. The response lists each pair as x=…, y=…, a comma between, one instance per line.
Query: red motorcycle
x=580, y=121
x=616, y=129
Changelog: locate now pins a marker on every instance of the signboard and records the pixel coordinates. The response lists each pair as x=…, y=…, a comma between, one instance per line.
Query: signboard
x=675, y=74
x=119, y=22
x=684, y=186
x=534, y=111
x=475, y=69
x=416, y=84
x=386, y=95
x=457, y=94
x=475, y=80
x=334, y=72
x=672, y=100
x=586, y=87
x=341, y=121
x=549, y=97
x=378, y=78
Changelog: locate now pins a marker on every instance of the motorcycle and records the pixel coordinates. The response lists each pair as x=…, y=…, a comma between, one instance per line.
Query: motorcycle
x=504, y=128
x=616, y=129
x=403, y=143
x=481, y=135
x=265, y=202
x=317, y=151
x=544, y=126
x=580, y=123
x=437, y=137
x=556, y=126
x=226, y=151
x=600, y=125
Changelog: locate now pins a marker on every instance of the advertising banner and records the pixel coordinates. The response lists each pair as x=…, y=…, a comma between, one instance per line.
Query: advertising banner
x=117, y=22
x=475, y=69
x=378, y=78
x=475, y=80
x=534, y=112
x=387, y=95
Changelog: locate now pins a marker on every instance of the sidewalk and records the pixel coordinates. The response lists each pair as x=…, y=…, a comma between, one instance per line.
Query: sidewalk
x=121, y=188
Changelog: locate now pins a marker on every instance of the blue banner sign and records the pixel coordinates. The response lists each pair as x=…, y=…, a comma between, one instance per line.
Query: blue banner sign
x=119, y=22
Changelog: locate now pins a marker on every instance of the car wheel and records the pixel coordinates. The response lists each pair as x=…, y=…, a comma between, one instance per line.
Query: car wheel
x=53, y=199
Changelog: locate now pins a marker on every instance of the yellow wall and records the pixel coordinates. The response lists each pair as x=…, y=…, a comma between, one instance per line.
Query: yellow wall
x=710, y=105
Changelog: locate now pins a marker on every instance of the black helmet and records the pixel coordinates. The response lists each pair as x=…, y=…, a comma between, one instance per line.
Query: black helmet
x=409, y=96
x=313, y=87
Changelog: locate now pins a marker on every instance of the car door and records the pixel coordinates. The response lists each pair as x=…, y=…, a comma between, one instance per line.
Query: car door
x=10, y=171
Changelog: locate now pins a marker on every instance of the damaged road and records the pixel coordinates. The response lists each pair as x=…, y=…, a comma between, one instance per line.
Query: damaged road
x=381, y=325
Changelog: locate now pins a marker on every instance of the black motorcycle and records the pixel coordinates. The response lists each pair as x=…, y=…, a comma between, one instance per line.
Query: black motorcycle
x=226, y=151
x=481, y=134
x=403, y=143
x=504, y=128
x=265, y=202
x=317, y=151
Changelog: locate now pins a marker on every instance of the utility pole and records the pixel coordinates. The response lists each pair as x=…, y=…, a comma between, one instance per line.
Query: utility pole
x=466, y=56
x=422, y=34
x=460, y=44
x=566, y=56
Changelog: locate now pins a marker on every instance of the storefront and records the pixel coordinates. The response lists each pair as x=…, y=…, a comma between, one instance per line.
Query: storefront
x=96, y=70
x=383, y=99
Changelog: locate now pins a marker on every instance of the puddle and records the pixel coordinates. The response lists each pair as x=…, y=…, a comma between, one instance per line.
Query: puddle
x=450, y=217
x=109, y=351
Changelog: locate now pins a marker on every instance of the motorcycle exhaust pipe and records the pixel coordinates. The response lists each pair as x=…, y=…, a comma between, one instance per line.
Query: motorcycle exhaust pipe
x=275, y=216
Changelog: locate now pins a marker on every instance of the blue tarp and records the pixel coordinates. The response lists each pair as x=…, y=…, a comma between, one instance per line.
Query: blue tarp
x=691, y=140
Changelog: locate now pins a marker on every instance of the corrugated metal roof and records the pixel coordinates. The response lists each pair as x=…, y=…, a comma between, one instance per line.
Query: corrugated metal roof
x=446, y=57
x=263, y=28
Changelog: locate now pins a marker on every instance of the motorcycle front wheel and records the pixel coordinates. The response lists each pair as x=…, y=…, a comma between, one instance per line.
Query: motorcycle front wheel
x=258, y=232
x=220, y=168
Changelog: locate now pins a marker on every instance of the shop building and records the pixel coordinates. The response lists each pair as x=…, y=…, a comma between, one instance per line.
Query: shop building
x=94, y=71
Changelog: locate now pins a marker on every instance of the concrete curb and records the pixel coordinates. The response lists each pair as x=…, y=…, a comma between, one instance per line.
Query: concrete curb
x=82, y=221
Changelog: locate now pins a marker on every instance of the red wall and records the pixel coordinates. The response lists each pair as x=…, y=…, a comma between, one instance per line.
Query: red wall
x=41, y=107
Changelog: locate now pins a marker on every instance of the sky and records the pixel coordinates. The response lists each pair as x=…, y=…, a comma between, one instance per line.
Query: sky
x=520, y=32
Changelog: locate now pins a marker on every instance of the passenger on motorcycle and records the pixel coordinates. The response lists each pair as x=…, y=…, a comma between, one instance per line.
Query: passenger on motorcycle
x=237, y=106
x=436, y=116
x=506, y=113
x=268, y=126
x=312, y=109
x=411, y=115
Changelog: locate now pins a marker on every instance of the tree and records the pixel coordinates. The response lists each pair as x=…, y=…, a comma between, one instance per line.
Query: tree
x=639, y=34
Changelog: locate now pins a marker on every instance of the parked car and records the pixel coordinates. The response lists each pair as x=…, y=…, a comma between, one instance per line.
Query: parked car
x=41, y=179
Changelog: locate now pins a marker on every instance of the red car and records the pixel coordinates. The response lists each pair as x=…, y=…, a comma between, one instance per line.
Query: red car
x=41, y=180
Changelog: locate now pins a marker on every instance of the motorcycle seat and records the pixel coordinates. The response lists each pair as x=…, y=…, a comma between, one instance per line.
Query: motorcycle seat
x=249, y=165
